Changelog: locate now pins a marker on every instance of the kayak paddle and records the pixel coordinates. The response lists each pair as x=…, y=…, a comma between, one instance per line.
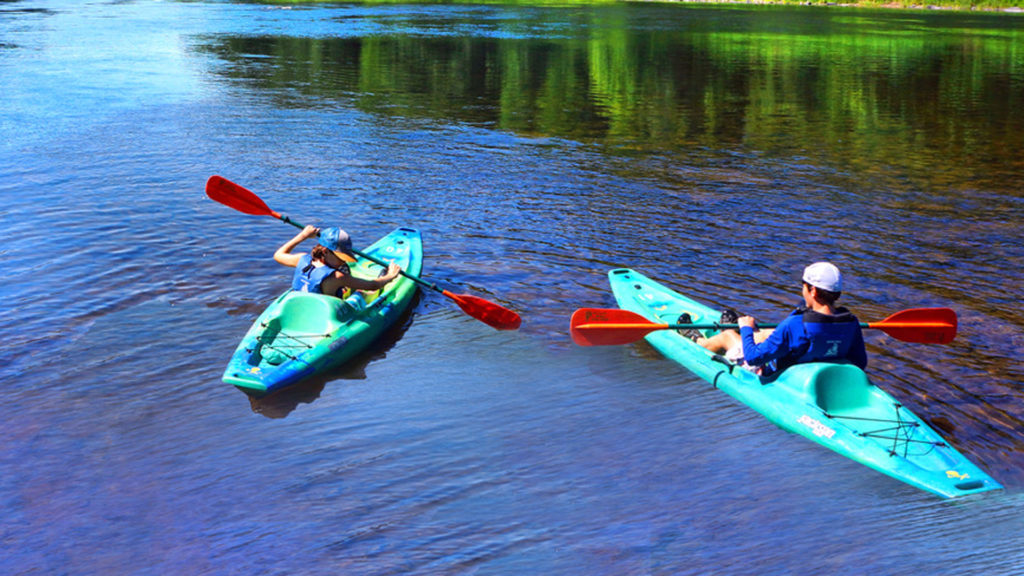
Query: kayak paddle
x=230, y=194
x=611, y=326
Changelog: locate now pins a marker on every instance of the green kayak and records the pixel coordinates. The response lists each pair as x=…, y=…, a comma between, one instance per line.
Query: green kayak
x=302, y=334
x=835, y=405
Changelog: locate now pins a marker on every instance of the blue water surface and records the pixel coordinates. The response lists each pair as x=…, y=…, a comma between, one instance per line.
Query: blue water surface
x=452, y=448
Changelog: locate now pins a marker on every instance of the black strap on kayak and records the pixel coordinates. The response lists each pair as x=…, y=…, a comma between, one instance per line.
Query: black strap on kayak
x=899, y=433
x=293, y=341
x=722, y=360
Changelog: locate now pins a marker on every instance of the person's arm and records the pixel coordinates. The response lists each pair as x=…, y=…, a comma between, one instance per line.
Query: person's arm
x=340, y=280
x=775, y=346
x=284, y=253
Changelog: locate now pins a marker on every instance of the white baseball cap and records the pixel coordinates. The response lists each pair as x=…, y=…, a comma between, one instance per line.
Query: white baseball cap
x=824, y=275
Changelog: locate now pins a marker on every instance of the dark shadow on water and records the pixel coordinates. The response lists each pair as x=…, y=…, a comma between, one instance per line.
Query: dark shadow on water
x=281, y=403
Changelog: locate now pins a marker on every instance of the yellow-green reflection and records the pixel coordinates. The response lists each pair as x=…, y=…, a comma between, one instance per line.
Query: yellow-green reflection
x=935, y=90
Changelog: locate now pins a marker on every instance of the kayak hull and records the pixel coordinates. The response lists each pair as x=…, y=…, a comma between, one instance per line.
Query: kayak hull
x=300, y=335
x=834, y=405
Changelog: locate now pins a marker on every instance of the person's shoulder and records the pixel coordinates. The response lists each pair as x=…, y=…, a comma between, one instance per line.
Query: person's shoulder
x=795, y=317
x=798, y=311
x=844, y=315
x=790, y=325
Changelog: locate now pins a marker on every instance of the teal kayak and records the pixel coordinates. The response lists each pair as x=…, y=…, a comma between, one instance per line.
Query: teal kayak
x=301, y=334
x=835, y=405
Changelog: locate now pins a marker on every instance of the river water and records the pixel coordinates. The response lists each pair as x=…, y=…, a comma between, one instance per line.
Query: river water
x=716, y=149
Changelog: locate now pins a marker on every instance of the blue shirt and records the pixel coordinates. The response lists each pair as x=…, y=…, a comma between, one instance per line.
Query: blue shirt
x=808, y=336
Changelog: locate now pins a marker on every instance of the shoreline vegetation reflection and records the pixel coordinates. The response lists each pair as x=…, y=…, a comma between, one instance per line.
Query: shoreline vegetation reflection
x=837, y=86
x=1007, y=6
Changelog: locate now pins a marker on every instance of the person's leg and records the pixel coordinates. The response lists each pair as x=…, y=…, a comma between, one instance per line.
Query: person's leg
x=720, y=343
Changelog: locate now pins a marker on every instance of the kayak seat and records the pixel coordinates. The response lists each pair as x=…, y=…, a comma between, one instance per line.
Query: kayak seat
x=311, y=314
x=840, y=388
x=302, y=321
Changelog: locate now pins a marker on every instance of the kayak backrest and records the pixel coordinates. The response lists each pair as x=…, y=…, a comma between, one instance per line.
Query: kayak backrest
x=840, y=388
x=311, y=314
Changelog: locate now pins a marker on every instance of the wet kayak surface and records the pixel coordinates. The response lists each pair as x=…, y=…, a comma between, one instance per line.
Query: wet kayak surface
x=716, y=150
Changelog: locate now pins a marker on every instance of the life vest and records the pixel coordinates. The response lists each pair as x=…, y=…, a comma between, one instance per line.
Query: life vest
x=822, y=338
x=308, y=276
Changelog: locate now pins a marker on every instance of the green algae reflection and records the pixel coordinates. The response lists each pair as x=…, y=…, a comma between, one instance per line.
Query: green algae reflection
x=931, y=88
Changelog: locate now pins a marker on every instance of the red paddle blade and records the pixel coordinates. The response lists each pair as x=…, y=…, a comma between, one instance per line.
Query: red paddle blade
x=230, y=194
x=920, y=325
x=488, y=312
x=609, y=327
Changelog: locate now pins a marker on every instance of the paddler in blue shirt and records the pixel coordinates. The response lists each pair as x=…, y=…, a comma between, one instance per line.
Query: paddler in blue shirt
x=325, y=269
x=818, y=331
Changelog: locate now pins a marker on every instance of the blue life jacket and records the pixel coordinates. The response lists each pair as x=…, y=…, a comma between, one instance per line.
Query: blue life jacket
x=308, y=277
x=808, y=336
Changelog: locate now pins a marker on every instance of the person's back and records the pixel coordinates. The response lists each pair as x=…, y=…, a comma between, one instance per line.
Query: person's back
x=310, y=273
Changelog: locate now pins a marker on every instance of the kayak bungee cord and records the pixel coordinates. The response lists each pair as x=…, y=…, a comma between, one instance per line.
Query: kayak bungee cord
x=901, y=426
x=284, y=348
